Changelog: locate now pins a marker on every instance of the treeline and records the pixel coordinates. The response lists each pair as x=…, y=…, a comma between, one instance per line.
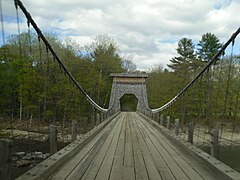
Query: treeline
x=33, y=86
x=214, y=98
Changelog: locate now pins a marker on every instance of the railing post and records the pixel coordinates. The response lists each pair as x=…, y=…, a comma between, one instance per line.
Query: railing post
x=161, y=119
x=153, y=116
x=158, y=118
x=102, y=119
x=85, y=122
x=190, y=132
x=92, y=118
x=53, y=139
x=168, y=122
x=105, y=116
x=98, y=118
x=74, y=130
x=176, y=127
x=214, y=142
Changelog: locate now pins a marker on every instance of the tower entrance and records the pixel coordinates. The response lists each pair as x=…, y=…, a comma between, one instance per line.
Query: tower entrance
x=128, y=102
x=128, y=84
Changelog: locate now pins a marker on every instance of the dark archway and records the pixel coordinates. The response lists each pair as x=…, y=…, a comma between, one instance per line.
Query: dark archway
x=128, y=102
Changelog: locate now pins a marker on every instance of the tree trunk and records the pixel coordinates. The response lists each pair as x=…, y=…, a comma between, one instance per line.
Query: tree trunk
x=20, y=110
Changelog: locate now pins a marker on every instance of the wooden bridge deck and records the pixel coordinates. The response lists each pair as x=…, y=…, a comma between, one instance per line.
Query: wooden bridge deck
x=130, y=148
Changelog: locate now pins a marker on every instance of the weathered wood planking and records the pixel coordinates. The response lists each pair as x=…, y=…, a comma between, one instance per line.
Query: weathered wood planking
x=117, y=167
x=130, y=148
x=97, y=162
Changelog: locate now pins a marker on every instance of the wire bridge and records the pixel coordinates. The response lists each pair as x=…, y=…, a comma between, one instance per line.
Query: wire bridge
x=166, y=142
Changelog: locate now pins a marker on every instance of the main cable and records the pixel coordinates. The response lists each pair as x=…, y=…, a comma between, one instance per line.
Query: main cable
x=211, y=62
x=2, y=23
x=40, y=34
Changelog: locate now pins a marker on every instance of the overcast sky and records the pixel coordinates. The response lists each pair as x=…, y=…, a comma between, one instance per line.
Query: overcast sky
x=146, y=30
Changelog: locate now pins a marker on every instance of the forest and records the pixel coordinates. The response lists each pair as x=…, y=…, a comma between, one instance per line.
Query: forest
x=34, y=87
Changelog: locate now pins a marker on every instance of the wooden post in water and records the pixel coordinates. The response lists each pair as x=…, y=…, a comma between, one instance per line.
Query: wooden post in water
x=176, y=127
x=190, y=132
x=168, y=122
x=74, y=130
x=214, y=134
x=53, y=139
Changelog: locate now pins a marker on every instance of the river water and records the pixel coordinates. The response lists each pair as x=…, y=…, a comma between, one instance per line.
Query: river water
x=229, y=155
x=9, y=170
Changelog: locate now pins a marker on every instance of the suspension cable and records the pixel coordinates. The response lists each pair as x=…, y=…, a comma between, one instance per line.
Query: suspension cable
x=2, y=23
x=211, y=62
x=228, y=81
x=29, y=39
x=40, y=34
x=19, y=31
x=226, y=96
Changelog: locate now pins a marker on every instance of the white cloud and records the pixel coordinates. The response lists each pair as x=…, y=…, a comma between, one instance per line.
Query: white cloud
x=147, y=30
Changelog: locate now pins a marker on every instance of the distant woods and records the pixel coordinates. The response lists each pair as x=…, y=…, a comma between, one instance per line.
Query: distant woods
x=215, y=97
x=33, y=86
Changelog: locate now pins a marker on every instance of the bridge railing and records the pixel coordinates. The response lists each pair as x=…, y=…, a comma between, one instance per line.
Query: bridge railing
x=26, y=148
x=62, y=111
x=206, y=111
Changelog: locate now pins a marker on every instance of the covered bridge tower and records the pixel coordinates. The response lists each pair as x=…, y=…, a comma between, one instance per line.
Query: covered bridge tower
x=126, y=83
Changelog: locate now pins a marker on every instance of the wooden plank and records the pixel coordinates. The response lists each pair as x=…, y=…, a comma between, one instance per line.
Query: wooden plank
x=82, y=167
x=176, y=156
x=68, y=167
x=139, y=165
x=95, y=165
x=117, y=167
x=128, y=164
x=161, y=165
x=106, y=166
x=174, y=168
x=131, y=148
x=83, y=155
x=151, y=168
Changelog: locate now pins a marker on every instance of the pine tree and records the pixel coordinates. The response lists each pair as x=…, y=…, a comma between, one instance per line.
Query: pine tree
x=209, y=45
x=183, y=64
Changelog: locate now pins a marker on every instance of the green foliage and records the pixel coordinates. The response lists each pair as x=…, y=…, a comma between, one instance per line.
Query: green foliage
x=215, y=97
x=209, y=45
x=183, y=62
x=33, y=85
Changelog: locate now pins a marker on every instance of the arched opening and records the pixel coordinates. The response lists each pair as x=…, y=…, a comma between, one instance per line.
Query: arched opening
x=128, y=102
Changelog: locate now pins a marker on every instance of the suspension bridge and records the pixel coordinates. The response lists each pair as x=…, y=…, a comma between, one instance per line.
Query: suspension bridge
x=147, y=144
